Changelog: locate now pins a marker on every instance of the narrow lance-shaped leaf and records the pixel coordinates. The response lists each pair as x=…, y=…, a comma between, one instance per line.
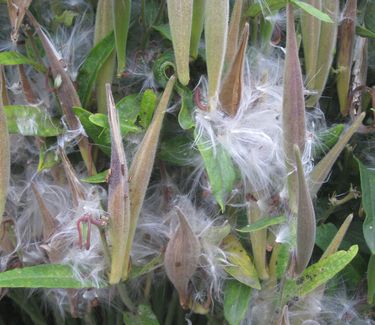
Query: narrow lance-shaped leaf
x=121, y=19
x=66, y=92
x=258, y=241
x=118, y=193
x=215, y=31
x=317, y=274
x=345, y=54
x=310, y=27
x=181, y=257
x=180, y=15
x=293, y=114
x=306, y=226
x=234, y=32
x=368, y=194
x=16, y=10
x=326, y=50
x=89, y=70
x=197, y=27
x=4, y=153
x=322, y=169
x=141, y=167
x=15, y=58
x=231, y=89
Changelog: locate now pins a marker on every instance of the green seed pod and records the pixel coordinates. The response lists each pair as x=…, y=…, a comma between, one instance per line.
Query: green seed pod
x=180, y=14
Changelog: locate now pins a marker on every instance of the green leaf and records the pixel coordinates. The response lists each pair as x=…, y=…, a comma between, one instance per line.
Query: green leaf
x=185, y=116
x=317, y=274
x=43, y=276
x=236, y=301
x=15, y=58
x=371, y=280
x=66, y=18
x=369, y=16
x=313, y=11
x=31, y=121
x=219, y=167
x=177, y=150
x=282, y=261
x=97, y=178
x=263, y=223
x=128, y=108
x=143, y=316
x=364, y=32
x=164, y=30
x=99, y=135
x=324, y=235
x=88, y=72
x=368, y=201
x=327, y=139
x=137, y=271
x=48, y=157
x=121, y=21
x=101, y=120
x=269, y=6
x=148, y=105
x=241, y=266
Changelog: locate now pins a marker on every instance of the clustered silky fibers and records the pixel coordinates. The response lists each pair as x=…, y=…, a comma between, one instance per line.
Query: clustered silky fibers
x=253, y=137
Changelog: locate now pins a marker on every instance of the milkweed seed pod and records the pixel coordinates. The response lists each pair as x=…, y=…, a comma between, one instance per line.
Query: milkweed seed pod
x=182, y=257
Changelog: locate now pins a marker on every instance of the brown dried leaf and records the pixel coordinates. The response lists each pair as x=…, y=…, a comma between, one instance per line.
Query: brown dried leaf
x=181, y=258
x=231, y=89
x=118, y=193
x=16, y=11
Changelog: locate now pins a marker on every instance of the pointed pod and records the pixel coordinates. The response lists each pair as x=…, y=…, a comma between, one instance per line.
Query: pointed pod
x=48, y=221
x=293, y=112
x=180, y=15
x=231, y=89
x=310, y=27
x=16, y=11
x=234, y=32
x=337, y=240
x=142, y=165
x=121, y=11
x=197, y=27
x=345, y=54
x=326, y=50
x=66, y=92
x=306, y=225
x=4, y=152
x=118, y=193
x=76, y=188
x=182, y=257
x=215, y=31
x=322, y=169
